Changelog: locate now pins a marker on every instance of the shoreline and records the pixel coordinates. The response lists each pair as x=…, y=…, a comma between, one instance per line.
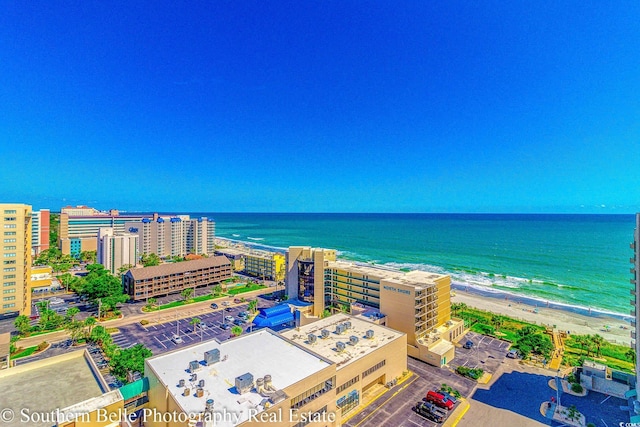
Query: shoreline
x=610, y=327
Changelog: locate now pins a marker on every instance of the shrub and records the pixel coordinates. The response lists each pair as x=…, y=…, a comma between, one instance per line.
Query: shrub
x=144, y=322
x=42, y=345
x=571, y=379
x=474, y=374
x=576, y=388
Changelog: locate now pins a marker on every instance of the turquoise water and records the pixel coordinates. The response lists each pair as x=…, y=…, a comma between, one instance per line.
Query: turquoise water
x=580, y=260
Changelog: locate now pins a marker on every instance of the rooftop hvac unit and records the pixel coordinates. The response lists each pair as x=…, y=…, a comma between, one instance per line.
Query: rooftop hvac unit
x=325, y=333
x=340, y=346
x=201, y=383
x=312, y=338
x=347, y=325
x=244, y=383
x=186, y=392
x=194, y=365
x=194, y=377
x=353, y=340
x=211, y=357
x=199, y=392
x=209, y=405
x=340, y=328
x=181, y=383
x=369, y=334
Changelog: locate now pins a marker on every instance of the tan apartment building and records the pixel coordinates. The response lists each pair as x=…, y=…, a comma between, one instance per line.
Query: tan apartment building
x=116, y=250
x=171, y=278
x=245, y=381
x=236, y=256
x=416, y=303
x=15, y=253
x=265, y=265
x=367, y=356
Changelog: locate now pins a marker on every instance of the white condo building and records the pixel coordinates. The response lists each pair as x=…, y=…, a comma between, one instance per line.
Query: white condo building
x=116, y=250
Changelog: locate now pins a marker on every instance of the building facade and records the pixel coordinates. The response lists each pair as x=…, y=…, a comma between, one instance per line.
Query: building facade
x=40, y=231
x=635, y=291
x=265, y=265
x=201, y=235
x=15, y=253
x=165, y=279
x=116, y=250
x=416, y=303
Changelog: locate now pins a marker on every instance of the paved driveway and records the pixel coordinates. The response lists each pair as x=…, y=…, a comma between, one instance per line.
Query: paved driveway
x=487, y=353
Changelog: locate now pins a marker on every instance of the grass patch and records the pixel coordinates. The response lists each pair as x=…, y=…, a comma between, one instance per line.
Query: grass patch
x=180, y=303
x=248, y=288
x=35, y=334
x=611, y=355
x=26, y=352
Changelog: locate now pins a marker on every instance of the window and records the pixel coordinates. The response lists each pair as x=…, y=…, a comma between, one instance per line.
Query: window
x=9, y=240
x=9, y=218
x=313, y=393
x=9, y=276
x=9, y=298
x=9, y=248
x=9, y=233
x=9, y=269
x=374, y=368
x=10, y=255
x=348, y=384
x=9, y=262
x=10, y=211
x=9, y=291
x=9, y=283
x=8, y=305
x=9, y=226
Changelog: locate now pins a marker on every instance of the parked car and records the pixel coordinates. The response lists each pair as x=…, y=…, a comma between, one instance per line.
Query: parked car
x=225, y=326
x=468, y=344
x=439, y=399
x=214, y=306
x=513, y=354
x=226, y=303
x=429, y=411
x=237, y=301
x=449, y=396
x=176, y=339
x=229, y=318
x=239, y=322
x=203, y=326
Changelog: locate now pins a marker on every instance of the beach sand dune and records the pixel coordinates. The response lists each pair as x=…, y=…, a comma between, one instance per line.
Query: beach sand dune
x=610, y=328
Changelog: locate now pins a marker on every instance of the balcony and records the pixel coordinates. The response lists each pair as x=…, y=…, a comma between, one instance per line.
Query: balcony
x=632, y=245
x=633, y=335
x=632, y=260
x=632, y=312
x=633, y=302
x=632, y=323
x=632, y=292
x=632, y=271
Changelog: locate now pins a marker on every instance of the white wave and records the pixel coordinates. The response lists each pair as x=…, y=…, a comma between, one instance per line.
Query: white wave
x=235, y=235
x=256, y=238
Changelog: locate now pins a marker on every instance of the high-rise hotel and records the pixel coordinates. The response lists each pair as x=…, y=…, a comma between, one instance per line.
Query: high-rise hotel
x=635, y=291
x=15, y=253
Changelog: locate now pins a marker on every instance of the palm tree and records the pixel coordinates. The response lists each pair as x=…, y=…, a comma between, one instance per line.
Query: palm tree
x=71, y=312
x=598, y=341
x=89, y=322
x=186, y=293
x=497, y=321
x=195, y=322
x=252, y=305
x=582, y=341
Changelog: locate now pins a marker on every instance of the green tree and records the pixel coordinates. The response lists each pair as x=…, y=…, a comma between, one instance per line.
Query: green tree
x=497, y=321
x=76, y=330
x=54, y=223
x=89, y=322
x=49, y=320
x=186, y=293
x=151, y=302
x=631, y=355
x=253, y=304
x=177, y=258
x=100, y=287
x=99, y=335
x=122, y=270
x=130, y=360
x=216, y=290
x=88, y=256
x=71, y=312
x=598, y=342
x=583, y=341
x=22, y=324
x=236, y=331
x=195, y=322
x=150, y=260
x=65, y=279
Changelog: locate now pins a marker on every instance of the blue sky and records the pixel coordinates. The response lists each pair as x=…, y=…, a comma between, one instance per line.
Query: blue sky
x=325, y=106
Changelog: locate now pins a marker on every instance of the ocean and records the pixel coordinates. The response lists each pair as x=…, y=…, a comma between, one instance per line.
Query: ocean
x=574, y=260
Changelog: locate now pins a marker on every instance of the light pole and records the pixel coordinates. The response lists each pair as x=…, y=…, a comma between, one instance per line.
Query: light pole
x=177, y=325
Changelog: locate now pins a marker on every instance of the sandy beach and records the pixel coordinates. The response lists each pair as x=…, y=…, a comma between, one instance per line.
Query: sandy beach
x=611, y=328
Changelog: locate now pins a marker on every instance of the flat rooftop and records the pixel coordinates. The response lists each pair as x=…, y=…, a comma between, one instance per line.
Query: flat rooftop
x=259, y=353
x=415, y=277
x=46, y=386
x=327, y=347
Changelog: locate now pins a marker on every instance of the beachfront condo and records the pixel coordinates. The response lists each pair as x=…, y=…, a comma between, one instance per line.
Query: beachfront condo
x=15, y=253
x=416, y=302
x=116, y=250
x=635, y=291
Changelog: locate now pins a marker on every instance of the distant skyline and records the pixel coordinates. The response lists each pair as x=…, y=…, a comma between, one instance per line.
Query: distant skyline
x=332, y=106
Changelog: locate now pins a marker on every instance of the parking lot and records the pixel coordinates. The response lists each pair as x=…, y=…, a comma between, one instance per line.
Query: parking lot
x=395, y=407
x=486, y=353
x=159, y=336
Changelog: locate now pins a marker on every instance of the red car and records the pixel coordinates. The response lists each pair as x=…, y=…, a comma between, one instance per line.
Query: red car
x=439, y=400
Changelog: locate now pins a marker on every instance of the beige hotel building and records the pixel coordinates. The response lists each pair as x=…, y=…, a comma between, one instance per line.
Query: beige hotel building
x=15, y=255
x=416, y=303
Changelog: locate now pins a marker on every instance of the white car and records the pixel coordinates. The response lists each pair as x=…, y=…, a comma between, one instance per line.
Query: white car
x=176, y=339
x=229, y=318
